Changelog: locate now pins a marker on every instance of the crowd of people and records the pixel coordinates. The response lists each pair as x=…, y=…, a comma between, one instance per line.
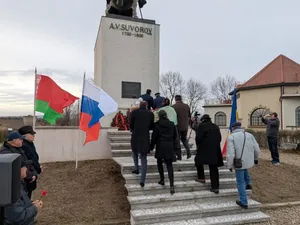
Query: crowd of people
x=170, y=125
x=24, y=211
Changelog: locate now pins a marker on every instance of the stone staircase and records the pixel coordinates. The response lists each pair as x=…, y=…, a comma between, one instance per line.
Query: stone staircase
x=192, y=204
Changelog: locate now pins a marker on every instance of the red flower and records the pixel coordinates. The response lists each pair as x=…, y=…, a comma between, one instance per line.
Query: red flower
x=44, y=193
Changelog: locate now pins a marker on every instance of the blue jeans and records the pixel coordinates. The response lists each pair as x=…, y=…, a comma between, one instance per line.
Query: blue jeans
x=143, y=157
x=243, y=179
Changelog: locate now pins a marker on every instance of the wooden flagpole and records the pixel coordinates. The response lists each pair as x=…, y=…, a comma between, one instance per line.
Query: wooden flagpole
x=79, y=111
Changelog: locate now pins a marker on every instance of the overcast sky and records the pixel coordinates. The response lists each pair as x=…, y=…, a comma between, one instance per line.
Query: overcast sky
x=210, y=39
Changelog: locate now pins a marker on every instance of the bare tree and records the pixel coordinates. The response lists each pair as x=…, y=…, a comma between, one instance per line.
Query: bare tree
x=70, y=116
x=222, y=86
x=195, y=92
x=172, y=84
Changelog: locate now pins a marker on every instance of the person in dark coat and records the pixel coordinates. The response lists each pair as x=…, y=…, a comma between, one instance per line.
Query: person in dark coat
x=148, y=98
x=183, y=119
x=208, y=140
x=141, y=122
x=30, y=151
x=24, y=210
x=164, y=137
x=14, y=145
x=158, y=101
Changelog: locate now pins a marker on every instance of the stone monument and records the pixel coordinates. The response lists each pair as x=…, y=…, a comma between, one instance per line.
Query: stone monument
x=126, y=59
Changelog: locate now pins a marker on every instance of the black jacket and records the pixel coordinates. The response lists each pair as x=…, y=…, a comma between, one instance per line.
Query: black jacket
x=30, y=152
x=22, y=212
x=272, y=127
x=208, y=141
x=8, y=149
x=141, y=122
x=164, y=137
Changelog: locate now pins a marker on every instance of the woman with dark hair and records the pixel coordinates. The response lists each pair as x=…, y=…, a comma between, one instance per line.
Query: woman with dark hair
x=164, y=137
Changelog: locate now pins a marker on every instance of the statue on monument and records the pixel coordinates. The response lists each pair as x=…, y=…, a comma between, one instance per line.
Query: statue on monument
x=124, y=7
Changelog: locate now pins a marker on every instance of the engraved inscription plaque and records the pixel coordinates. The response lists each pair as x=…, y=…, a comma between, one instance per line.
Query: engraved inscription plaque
x=131, y=89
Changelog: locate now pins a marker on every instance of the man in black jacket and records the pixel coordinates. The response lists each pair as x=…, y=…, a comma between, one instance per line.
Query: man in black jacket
x=24, y=210
x=30, y=151
x=141, y=123
x=148, y=98
x=13, y=145
x=272, y=134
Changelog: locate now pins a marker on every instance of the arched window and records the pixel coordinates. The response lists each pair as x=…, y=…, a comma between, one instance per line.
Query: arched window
x=255, y=118
x=297, y=114
x=220, y=119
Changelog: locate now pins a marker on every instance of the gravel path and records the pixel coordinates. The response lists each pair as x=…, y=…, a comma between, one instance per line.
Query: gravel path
x=285, y=215
x=285, y=157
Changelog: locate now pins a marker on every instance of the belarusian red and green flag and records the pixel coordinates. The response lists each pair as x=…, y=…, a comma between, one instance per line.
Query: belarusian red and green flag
x=50, y=99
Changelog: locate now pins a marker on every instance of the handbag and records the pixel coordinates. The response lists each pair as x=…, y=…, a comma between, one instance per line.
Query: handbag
x=237, y=162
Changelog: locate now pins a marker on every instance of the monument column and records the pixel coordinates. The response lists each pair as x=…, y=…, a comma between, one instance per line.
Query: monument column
x=126, y=59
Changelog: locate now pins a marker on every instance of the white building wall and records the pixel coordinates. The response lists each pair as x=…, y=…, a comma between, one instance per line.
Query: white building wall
x=122, y=55
x=61, y=143
x=213, y=109
x=289, y=106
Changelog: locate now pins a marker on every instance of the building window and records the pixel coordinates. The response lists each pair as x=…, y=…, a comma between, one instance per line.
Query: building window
x=255, y=118
x=297, y=113
x=220, y=119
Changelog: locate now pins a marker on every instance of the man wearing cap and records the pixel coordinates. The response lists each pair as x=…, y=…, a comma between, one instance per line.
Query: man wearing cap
x=208, y=141
x=242, y=145
x=158, y=101
x=30, y=151
x=272, y=134
x=24, y=210
x=13, y=145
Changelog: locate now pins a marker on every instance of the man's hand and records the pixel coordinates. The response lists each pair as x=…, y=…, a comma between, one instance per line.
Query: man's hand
x=39, y=204
x=33, y=179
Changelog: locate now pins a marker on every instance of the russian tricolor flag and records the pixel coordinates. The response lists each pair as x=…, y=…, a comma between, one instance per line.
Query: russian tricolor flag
x=95, y=104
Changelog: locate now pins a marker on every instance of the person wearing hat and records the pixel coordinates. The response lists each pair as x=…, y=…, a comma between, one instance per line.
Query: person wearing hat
x=242, y=145
x=208, y=141
x=272, y=134
x=31, y=153
x=158, y=101
x=24, y=210
x=163, y=137
x=14, y=145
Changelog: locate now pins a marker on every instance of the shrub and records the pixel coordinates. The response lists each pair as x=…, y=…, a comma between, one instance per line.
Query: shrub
x=3, y=135
x=285, y=136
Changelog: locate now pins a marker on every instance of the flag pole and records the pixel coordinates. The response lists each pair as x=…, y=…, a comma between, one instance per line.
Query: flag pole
x=34, y=99
x=79, y=111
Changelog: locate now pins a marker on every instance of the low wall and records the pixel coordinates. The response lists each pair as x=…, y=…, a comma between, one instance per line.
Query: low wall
x=55, y=144
x=61, y=143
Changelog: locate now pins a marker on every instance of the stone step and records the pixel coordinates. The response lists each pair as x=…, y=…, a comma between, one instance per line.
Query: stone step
x=124, y=145
x=193, y=211
x=180, y=199
x=121, y=138
x=127, y=165
x=178, y=176
x=180, y=186
x=128, y=152
x=234, y=219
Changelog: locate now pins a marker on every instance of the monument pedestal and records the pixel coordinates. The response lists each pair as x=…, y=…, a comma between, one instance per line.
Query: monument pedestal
x=126, y=58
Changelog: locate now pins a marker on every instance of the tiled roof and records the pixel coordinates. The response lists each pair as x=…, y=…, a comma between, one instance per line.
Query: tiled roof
x=280, y=70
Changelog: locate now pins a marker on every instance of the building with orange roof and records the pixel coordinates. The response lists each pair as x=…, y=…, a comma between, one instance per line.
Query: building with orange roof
x=275, y=88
